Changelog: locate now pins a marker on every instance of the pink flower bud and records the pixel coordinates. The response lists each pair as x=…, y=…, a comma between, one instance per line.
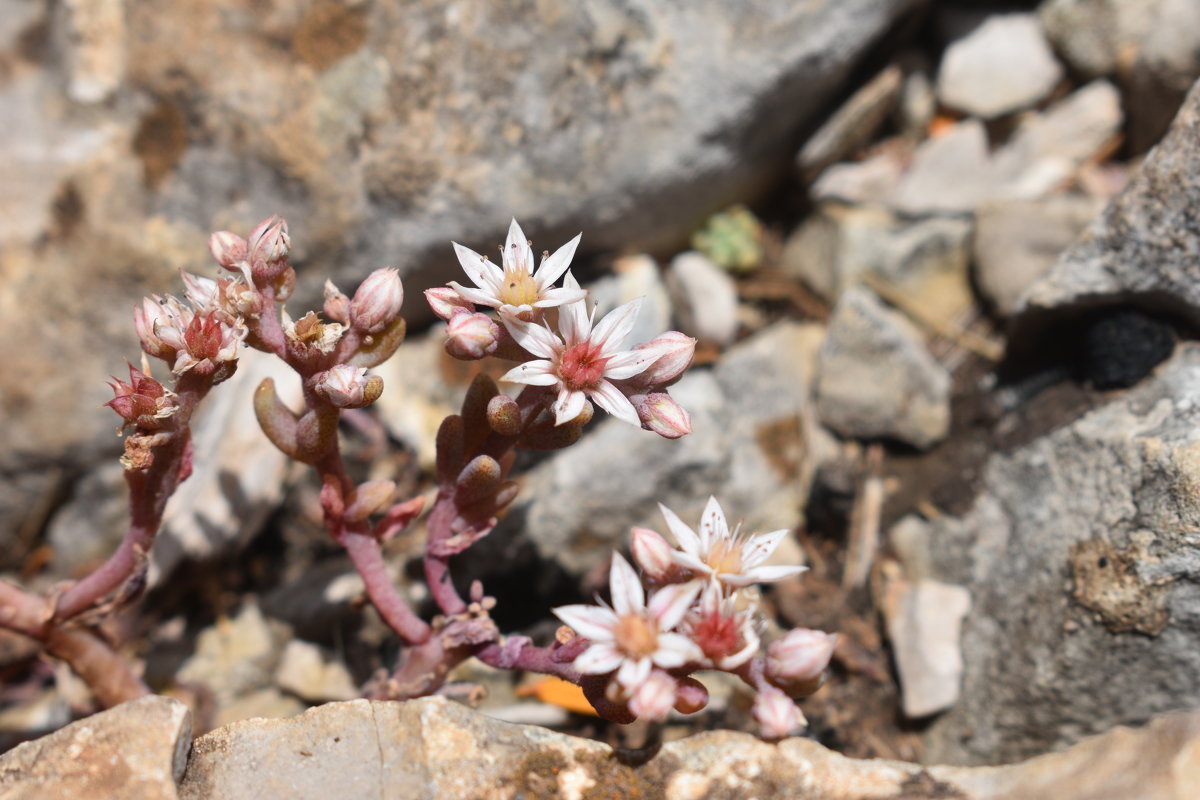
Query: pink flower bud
x=446, y=302
x=337, y=305
x=143, y=402
x=345, y=386
x=269, y=245
x=776, y=714
x=471, y=336
x=202, y=293
x=229, y=249
x=147, y=321
x=800, y=657
x=677, y=353
x=377, y=302
x=660, y=413
x=655, y=698
x=652, y=553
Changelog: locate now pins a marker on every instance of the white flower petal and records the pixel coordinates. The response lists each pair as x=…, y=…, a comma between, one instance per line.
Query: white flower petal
x=675, y=650
x=632, y=673
x=532, y=336
x=771, y=574
x=560, y=297
x=568, y=406
x=612, y=400
x=516, y=248
x=532, y=373
x=480, y=297
x=694, y=563
x=599, y=659
x=669, y=604
x=760, y=546
x=555, y=265
x=591, y=622
x=713, y=527
x=628, y=596
x=573, y=321
x=685, y=536
x=482, y=272
x=628, y=363
x=612, y=331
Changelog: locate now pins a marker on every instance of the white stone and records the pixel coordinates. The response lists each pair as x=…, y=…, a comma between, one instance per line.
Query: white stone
x=1002, y=66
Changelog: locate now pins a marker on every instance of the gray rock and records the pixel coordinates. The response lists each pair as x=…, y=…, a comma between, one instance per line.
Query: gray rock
x=1144, y=245
x=1017, y=241
x=875, y=378
x=313, y=674
x=866, y=181
x=236, y=656
x=1081, y=559
x=1002, y=66
x=753, y=446
x=1151, y=46
x=950, y=173
x=924, y=621
x=136, y=751
x=852, y=125
x=1047, y=149
x=705, y=296
x=629, y=122
x=924, y=257
x=433, y=748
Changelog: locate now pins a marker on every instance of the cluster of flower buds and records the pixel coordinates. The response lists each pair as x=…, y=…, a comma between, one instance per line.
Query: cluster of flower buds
x=579, y=363
x=261, y=258
x=696, y=618
x=143, y=402
x=199, y=338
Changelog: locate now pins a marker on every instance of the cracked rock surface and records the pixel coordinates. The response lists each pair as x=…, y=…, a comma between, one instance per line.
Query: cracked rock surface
x=434, y=748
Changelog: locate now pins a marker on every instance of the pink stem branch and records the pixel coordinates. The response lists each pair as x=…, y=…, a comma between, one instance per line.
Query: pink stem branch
x=365, y=552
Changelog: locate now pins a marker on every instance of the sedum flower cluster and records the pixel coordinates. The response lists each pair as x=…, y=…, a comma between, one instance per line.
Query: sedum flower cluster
x=562, y=348
x=696, y=617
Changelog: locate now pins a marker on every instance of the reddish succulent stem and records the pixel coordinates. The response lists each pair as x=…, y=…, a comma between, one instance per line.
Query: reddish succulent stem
x=101, y=668
x=437, y=568
x=367, y=556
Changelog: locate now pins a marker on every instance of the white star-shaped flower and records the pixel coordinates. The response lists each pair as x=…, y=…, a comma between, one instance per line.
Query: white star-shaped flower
x=584, y=360
x=725, y=555
x=633, y=636
x=515, y=288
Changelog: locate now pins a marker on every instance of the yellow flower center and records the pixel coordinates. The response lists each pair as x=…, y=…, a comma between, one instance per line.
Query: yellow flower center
x=726, y=557
x=519, y=288
x=636, y=637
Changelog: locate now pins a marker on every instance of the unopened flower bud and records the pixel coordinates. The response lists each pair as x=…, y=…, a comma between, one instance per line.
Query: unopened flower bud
x=655, y=698
x=147, y=321
x=776, y=714
x=337, y=305
x=143, y=402
x=446, y=302
x=229, y=249
x=269, y=245
x=677, y=353
x=471, y=336
x=202, y=293
x=660, y=413
x=377, y=301
x=345, y=386
x=798, y=660
x=652, y=553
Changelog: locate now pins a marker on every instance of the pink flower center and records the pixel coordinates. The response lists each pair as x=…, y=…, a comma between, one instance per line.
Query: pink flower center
x=635, y=636
x=581, y=366
x=717, y=635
